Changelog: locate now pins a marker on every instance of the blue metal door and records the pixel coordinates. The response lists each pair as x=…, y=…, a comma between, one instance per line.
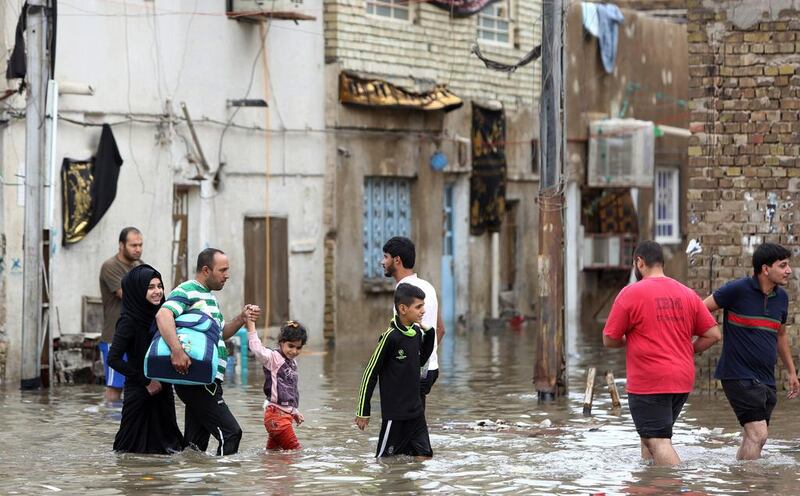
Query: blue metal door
x=447, y=297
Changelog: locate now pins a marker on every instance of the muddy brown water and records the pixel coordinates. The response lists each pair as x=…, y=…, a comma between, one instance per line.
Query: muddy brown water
x=60, y=440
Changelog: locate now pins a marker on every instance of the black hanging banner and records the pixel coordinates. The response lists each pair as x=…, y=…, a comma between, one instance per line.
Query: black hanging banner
x=488, y=181
x=89, y=187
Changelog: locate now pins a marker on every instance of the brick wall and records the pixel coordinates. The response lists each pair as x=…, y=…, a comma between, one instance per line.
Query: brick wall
x=743, y=154
x=434, y=47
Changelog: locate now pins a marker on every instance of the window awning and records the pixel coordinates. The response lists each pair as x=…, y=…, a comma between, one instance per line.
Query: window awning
x=370, y=92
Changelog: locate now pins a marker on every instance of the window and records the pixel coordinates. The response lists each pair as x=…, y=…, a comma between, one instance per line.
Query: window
x=386, y=213
x=493, y=23
x=393, y=9
x=666, y=205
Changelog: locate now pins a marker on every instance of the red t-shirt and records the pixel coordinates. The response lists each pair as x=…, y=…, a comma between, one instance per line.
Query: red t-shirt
x=658, y=316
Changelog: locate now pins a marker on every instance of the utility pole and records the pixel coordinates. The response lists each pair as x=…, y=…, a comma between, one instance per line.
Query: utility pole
x=548, y=376
x=36, y=154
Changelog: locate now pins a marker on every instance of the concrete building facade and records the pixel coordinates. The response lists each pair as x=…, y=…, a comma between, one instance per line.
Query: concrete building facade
x=143, y=60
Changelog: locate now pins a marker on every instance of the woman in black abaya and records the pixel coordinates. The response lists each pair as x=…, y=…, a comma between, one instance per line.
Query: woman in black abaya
x=148, y=422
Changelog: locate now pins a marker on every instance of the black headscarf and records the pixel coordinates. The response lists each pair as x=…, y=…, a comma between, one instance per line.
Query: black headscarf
x=134, y=295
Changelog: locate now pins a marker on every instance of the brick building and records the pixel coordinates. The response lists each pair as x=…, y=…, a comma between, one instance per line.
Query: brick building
x=744, y=171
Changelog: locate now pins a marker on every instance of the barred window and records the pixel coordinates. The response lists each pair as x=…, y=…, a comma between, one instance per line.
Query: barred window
x=386, y=213
x=666, y=205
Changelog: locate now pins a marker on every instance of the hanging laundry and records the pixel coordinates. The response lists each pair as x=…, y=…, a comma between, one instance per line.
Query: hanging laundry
x=602, y=21
x=89, y=187
x=591, y=19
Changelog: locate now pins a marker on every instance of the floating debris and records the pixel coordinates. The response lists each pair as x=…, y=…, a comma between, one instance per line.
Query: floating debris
x=498, y=425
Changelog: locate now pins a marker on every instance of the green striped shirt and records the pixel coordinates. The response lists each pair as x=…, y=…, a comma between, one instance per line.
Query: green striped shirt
x=201, y=299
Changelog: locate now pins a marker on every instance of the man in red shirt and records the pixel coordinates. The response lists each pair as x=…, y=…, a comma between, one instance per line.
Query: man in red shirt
x=656, y=319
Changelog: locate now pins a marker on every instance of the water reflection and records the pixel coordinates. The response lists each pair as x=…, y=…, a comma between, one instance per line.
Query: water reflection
x=60, y=440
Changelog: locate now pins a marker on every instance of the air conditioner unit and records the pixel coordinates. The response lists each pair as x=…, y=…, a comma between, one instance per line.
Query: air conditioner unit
x=621, y=153
x=608, y=251
x=260, y=9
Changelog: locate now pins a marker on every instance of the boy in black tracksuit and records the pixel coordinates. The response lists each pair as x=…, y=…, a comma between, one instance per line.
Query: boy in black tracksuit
x=396, y=364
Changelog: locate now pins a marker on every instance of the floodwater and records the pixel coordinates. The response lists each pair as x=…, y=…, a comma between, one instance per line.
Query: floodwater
x=60, y=440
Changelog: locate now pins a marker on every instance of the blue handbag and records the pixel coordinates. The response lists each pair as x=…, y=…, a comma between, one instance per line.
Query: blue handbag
x=199, y=335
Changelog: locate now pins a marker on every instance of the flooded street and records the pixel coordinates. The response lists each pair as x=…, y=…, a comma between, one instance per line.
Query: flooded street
x=60, y=440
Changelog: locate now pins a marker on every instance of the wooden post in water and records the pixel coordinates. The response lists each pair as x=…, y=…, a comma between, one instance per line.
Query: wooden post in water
x=612, y=388
x=587, y=398
x=549, y=370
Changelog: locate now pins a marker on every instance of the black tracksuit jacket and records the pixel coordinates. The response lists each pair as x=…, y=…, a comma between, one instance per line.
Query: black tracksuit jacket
x=395, y=365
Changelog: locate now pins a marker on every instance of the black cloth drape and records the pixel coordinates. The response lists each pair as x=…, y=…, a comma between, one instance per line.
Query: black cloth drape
x=148, y=423
x=107, y=162
x=488, y=181
x=17, y=64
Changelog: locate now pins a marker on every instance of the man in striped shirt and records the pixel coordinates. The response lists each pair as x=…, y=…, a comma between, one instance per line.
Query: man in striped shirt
x=206, y=412
x=755, y=309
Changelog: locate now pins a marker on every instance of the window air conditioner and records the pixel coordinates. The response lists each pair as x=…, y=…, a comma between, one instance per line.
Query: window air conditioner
x=621, y=153
x=285, y=9
x=607, y=251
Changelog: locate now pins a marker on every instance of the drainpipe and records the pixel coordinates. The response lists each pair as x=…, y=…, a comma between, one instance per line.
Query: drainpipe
x=495, y=275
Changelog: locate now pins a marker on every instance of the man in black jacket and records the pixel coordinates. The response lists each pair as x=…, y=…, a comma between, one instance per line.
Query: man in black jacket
x=396, y=364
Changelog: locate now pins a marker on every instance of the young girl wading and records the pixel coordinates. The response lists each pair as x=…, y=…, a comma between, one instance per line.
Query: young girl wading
x=280, y=384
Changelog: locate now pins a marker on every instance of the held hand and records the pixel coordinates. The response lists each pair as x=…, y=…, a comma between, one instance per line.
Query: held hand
x=250, y=313
x=298, y=417
x=794, y=387
x=154, y=387
x=180, y=361
x=362, y=422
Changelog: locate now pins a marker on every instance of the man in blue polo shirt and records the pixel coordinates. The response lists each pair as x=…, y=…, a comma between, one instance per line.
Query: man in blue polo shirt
x=755, y=310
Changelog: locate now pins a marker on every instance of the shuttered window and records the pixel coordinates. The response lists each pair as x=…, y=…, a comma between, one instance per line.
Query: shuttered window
x=386, y=213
